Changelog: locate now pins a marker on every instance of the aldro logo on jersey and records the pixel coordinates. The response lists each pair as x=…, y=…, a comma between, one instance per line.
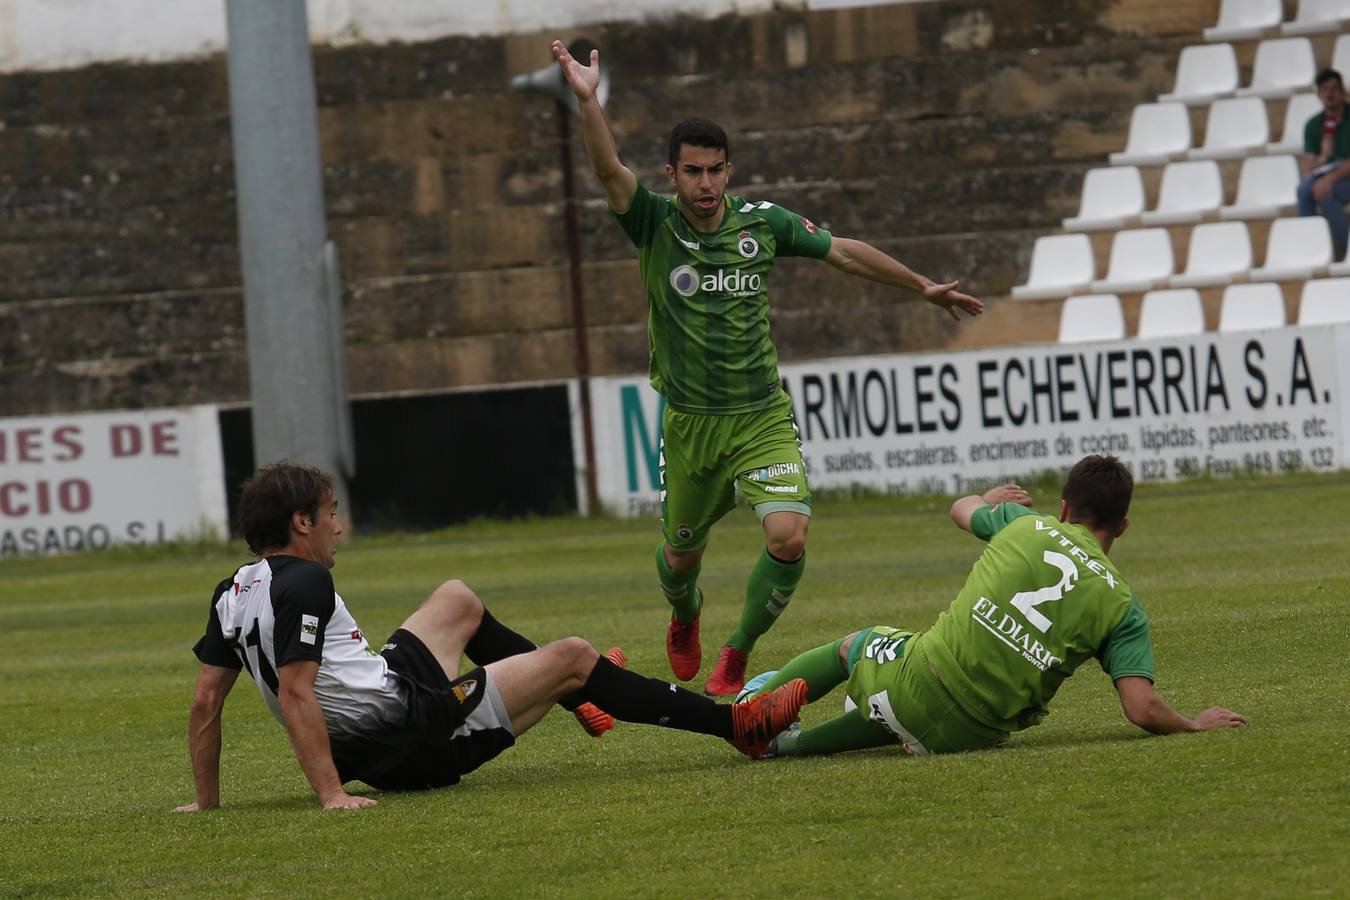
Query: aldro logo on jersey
x=687, y=282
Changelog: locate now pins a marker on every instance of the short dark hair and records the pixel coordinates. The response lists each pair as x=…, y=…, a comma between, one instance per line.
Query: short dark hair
x=697, y=133
x=1328, y=75
x=269, y=499
x=1098, y=491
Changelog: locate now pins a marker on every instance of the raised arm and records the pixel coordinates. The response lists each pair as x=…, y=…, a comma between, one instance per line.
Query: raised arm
x=618, y=181
x=208, y=699
x=965, y=507
x=309, y=735
x=1145, y=708
x=865, y=261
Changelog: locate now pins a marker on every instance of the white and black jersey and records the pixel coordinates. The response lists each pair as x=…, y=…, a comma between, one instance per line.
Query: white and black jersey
x=282, y=609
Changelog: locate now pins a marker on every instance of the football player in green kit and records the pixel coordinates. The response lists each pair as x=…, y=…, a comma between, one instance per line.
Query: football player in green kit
x=705, y=259
x=1041, y=600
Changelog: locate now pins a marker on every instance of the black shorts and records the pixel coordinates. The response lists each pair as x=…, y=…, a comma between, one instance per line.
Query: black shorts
x=452, y=726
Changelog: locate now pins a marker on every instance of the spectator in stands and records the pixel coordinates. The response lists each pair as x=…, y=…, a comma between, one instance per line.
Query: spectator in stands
x=1325, y=164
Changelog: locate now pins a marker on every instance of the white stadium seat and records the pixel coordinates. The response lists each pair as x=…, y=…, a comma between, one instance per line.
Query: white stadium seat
x=1297, y=249
x=1251, y=307
x=1060, y=265
x=1140, y=261
x=1219, y=253
x=1297, y=112
x=1317, y=16
x=1245, y=20
x=1325, y=301
x=1189, y=190
x=1235, y=127
x=1158, y=132
x=1092, y=317
x=1171, y=313
x=1112, y=197
x=1267, y=189
x=1204, y=72
x=1340, y=56
x=1283, y=67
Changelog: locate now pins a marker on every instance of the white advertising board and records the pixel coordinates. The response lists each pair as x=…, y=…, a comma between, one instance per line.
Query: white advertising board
x=79, y=482
x=1267, y=401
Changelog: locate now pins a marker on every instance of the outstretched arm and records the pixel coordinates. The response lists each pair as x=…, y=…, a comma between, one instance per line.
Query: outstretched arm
x=618, y=181
x=1145, y=708
x=965, y=507
x=862, y=259
x=213, y=686
x=309, y=735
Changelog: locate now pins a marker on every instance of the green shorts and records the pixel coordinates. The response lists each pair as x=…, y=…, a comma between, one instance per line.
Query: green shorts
x=704, y=457
x=892, y=683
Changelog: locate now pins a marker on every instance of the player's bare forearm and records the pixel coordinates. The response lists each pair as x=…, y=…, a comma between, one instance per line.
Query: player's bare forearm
x=964, y=508
x=1146, y=708
x=208, y=701
x=309, y=736
x=865, y=261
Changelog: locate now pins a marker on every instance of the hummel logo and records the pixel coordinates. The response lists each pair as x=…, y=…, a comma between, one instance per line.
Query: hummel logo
x=692, y=245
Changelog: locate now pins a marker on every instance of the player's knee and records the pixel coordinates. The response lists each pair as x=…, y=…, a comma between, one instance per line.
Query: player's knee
x=683, y=561
x=575, y=657
x=787, y=546
x=846, y=647
x=456, y=601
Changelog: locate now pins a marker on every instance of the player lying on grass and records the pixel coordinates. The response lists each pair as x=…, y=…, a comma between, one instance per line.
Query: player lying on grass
x=705, y=258
x=1041, y=600
x=404, y=719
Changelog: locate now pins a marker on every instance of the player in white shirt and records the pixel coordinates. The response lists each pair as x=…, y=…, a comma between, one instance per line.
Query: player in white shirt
x=403, y=719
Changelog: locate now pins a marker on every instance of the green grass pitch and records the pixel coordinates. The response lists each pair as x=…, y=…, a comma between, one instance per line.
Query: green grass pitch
x=1246, y=584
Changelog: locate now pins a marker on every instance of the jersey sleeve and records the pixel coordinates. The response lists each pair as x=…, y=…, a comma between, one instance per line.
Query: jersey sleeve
x=302, y=609
x=643, y=216
x=796, y=235
x=1128, y=649
x=212, y=649
x=989, y=520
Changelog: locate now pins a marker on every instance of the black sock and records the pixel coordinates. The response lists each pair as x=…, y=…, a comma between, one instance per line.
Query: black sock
x=650, y=701
x=494, y=641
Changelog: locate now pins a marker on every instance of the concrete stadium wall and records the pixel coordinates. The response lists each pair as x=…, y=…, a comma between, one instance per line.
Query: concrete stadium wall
x=950, y=134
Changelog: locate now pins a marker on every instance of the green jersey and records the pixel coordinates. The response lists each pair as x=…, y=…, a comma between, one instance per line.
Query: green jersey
x=707, y=303
x=1040, y=600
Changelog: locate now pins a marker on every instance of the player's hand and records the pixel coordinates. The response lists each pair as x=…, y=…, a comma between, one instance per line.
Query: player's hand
x=343, y=800
x=1218, y=717
x=1006, y=493
x=953, y=301
x=584, y=80
x=194, y=807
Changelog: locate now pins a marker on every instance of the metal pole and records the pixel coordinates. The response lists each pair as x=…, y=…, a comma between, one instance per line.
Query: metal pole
x=578, y=303
x=292, y=290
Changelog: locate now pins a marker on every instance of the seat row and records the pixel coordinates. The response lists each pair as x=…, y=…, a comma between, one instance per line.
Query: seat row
x=1179, y=312
x=1234, y=128
x=1244, y=20
x=1282, y=67
x=1113, y=196
x=1219, y=253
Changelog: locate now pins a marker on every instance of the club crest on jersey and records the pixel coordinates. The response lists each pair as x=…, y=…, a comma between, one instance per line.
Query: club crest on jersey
x=464, y=690
x=808, y=225
x=748, y=246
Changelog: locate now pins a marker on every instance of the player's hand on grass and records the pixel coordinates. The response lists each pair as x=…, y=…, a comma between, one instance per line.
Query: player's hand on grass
x=945, y=296
x=343, y=800
x=584, y=80
x=1006, y=493
x=1218, y=717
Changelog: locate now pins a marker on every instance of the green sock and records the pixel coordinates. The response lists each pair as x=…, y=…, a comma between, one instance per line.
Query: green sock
x=847, y=732
x=679, y=589
x=820, y=667
x=766, y=596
